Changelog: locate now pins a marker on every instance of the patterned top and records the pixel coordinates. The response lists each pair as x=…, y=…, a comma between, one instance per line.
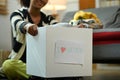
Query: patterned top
x=19, y=19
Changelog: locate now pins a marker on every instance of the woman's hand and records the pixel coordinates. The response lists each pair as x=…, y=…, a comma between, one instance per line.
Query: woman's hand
x=33, y=30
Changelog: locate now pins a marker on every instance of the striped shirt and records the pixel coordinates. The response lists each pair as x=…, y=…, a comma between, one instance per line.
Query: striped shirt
x=19, y=19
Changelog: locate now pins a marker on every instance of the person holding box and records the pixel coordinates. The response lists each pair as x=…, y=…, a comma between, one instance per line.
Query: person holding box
x=24, y=20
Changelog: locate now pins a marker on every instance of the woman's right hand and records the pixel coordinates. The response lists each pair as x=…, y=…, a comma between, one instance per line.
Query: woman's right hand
x=33, y=30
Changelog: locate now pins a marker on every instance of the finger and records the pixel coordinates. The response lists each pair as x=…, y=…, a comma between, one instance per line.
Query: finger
x=31, y=31
x=35, y=30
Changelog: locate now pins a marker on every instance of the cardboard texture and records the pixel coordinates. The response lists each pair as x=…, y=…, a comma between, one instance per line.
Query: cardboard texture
x=60, y=52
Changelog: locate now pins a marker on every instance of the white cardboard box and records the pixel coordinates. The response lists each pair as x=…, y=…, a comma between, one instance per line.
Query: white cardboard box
x=60, y=52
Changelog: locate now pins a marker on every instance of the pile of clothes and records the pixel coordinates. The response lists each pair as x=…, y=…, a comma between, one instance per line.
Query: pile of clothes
x=86, y=20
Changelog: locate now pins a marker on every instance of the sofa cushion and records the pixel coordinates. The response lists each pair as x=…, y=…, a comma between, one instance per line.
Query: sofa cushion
x=106, y=36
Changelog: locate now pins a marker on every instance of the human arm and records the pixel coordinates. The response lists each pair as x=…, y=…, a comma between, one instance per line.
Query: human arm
x=20, y=24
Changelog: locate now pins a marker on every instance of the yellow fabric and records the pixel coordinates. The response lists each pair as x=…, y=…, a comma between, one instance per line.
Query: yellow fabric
x=15, y=69
x=86, y=15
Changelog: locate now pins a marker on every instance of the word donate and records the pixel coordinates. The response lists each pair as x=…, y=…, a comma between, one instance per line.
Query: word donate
x=69, y=52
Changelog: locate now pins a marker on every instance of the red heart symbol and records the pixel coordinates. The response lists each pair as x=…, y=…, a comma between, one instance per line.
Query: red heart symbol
x=63, y=49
